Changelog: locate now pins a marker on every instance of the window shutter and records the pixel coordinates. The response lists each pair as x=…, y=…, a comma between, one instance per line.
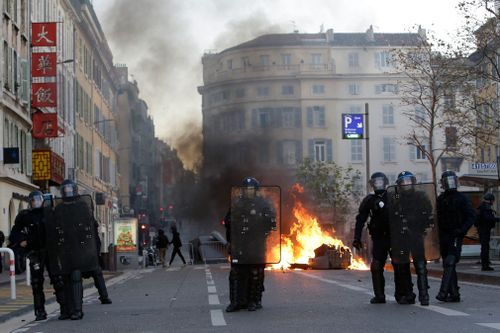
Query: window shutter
x=24, y=81
x=413, y=152
x=278, y=115
x=377, y=59
x=29, y=149
x=254, y=118
x=378, y=89
x=310, y=118
x=310, y=149
x=329, y=150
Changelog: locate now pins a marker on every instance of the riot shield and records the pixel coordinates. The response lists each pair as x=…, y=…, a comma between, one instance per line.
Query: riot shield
x=412, y=219
x=71, y=235
x=255, y=225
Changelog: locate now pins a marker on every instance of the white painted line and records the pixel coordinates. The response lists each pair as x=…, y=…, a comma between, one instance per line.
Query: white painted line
x=21, y=330
x=173, y=269
x=490, y=325
x=445, y=311
x=198, y=267
x=217, y=318
x=213, y=299
x=212, y=290
x=210, y=282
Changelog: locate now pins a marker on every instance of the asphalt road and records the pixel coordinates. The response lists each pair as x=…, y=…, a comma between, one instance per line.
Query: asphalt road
x=193, y=298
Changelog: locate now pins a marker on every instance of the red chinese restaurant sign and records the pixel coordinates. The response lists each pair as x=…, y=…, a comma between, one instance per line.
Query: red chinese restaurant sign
x=44, y=94
x=44, y=125
x=43, y=64
x=44, y=34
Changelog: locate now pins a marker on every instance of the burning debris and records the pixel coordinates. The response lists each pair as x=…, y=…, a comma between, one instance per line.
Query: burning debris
x=299, y=249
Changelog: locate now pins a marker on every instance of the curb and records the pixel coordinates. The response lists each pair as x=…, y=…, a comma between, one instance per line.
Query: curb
x=468, y=277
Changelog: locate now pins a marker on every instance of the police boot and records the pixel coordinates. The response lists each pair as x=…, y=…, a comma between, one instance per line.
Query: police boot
x=38, y=299
x=254, y=289
x=454, y=296
x=422, y=284
x=404, y=287
x=233, y=291
x=258, y=302
x=61, y=297
x=100, y=285
x=77, y=295
x=377, y=269
x=448, y=267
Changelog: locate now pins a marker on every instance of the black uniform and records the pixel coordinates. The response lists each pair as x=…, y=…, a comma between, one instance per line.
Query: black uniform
x=485, y=222
x=29, y=227
x=375, y=207
x=176, y=241
x=455, y=217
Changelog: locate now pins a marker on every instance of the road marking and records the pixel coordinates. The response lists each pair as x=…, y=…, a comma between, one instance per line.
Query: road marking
x=217, y=318
x=213, y=299
x=490, y=325
x=210, y=282
x=439, y=309
x=212, y=289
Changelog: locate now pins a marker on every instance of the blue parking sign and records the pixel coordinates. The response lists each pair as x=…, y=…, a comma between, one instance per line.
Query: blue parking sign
x=352, y=126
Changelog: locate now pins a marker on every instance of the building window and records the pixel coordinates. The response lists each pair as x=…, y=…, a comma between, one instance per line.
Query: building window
x=420, y=115
x=382, y=59
x=356, y=150
x=262, y=91
x=289, y=152
x=264, y=60
x=389, y=149
x=264, y=154
x=229, y=64
x=316, y=116
x=354, y=89
x=386, y=88
x=264, y=118
x=353, y=60
x=388, y=115
x=288, y=118
x=417, y=153
x=245, y=62
x=355, y=109
x=319, y=151
x=316, y=61
x=287, y=90
x=239, y=93
x=451, y=136
x=318, y=89
x=286, y=60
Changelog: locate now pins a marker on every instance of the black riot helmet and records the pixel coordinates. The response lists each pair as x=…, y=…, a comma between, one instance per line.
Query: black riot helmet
x=35, y=199
x=68, y=189
x=489, y=197
x=250, y=186
x=449, y=180
x=379, y=182
x=406, y=178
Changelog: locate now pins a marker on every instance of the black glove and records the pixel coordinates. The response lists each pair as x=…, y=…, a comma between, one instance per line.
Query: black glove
x=357, y=244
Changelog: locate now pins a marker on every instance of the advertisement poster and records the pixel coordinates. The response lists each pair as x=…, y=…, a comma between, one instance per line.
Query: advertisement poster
x=126, y=235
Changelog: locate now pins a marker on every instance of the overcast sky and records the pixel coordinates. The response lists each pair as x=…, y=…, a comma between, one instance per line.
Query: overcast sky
x=162, y=42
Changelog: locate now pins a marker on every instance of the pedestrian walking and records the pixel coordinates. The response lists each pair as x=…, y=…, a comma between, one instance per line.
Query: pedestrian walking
x=162, y=246
x=485, y=222
x=176, y=241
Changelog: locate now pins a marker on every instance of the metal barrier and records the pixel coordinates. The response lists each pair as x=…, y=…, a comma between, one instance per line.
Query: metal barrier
x=213, y=251
x=191, y=253
x=12, y=269
x=28, y=272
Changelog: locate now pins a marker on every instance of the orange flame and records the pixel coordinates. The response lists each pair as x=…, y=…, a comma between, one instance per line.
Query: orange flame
x=305, y=236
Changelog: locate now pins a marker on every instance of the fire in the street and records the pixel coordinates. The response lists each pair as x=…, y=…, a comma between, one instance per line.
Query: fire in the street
x=305, y=236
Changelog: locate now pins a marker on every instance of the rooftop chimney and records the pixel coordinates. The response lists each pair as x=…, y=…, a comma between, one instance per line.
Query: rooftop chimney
x=369, y=34
x=329, y=35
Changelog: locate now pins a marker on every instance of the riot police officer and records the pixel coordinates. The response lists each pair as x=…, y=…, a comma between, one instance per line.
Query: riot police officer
x=252, y=216
x=374, y=205
x=455, y=217
x=417, y=216
x=485, y=222
x=29, y=233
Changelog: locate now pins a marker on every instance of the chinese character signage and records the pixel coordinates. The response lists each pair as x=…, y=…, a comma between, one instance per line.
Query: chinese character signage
x=352, y=126
x=44, y=94
x=43, y=64
x=44, y=125
x=44, y=34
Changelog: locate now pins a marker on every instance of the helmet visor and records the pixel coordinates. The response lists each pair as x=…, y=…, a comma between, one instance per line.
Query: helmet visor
x=36, y=201
x=378, y=184
x=407, y=180
x=67, y=191
x=450, y=182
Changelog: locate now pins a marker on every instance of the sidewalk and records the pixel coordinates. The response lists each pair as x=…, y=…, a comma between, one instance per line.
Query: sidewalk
x=469, y=270
x=24, y=298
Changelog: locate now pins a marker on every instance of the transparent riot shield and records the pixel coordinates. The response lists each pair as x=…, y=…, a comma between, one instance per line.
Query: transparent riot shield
x=71, y=235
x=412, y=219
x=255, y=225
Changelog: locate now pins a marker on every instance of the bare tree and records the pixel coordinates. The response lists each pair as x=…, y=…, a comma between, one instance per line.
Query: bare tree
x=439, y=97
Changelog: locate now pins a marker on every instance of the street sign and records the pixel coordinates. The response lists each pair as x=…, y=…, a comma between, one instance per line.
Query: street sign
x=352, y=126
